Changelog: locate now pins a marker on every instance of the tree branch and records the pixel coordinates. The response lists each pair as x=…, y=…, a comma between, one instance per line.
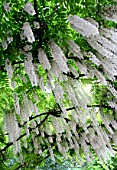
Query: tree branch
x=36, y=10
x=20, y=166
x=101, y=106
x=53, y=112
x=72, y=76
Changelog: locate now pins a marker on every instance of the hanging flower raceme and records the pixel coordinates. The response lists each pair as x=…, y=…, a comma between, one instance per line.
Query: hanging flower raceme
x=56, y=72
x=111, y=34
x=92, y=21
x=100, y=77
x=43, y=59
x=36, y=25
x=30, y=69
x=109, y=66
x=59, y=93
x=13, y=130
x=59, y=57
x=9, y=68
x=7, y=8
x=107, y=44
x=82, y=26
x=27, y=32
x=101, y=47
x=82, y=67
x=113, y=104
x=93, y=58
x=16, y=103
x=4, y=44
x=112, y=90
x=107, y=54
x=9, y=39
x=27, y=47
x=29, y=8
x=75, y=49
x=110, y=13
x=6, y=41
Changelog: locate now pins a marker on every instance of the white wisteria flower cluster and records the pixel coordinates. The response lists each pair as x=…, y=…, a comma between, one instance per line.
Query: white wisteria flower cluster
x=75, y=49
x=82, y=26
x=93, y=58
x=29, y=8
x=36, y=25
x=6, y=41
x=7, y=8
x=16, y=103
x=59, y=56
x=13, y=130
x=4, y=44
x=9, y=68
x=27, y=32
x=29, y=68
x=27, y=47
x=111, y=34
x=110, y=13
x=43, y=59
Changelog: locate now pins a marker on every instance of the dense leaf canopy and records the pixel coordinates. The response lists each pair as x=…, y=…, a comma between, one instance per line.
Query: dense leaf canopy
x=58, y=87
